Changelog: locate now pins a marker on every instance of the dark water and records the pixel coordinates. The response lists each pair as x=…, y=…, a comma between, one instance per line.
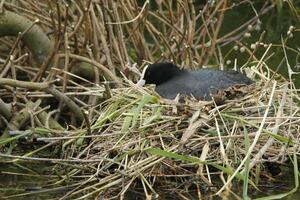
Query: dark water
x=276, y=24
x=26, y=179
x=32, y=182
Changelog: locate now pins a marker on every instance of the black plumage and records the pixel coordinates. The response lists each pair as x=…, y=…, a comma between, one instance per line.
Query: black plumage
x=170, y=80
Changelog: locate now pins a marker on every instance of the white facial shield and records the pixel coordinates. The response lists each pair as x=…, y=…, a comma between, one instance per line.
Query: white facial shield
x=142, y=81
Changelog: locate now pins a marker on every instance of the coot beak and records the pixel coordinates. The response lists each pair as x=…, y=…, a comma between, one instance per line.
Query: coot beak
x=142, y=81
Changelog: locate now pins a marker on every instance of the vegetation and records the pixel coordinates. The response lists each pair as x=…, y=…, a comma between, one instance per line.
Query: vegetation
x=71, y=115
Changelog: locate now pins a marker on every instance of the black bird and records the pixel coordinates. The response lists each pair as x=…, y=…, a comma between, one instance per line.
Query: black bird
x=171, y=80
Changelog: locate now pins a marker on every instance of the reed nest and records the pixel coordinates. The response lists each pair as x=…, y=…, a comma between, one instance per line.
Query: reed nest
x=168, y=148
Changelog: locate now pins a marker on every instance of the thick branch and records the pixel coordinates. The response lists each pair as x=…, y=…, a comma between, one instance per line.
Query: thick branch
x=35, y=39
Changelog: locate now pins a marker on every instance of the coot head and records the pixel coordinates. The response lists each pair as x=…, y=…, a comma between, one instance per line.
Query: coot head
x=159, y=73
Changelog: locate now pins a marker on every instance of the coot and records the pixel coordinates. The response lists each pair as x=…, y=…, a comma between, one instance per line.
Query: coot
x=171, y=80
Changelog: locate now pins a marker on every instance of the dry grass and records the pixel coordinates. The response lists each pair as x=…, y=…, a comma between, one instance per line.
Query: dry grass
x=127, y=138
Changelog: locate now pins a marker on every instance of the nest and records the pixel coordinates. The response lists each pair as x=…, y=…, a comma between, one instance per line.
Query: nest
x=143, y=142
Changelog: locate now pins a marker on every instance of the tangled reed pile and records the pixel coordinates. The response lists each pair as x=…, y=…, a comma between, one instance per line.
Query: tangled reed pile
x=68, y=99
